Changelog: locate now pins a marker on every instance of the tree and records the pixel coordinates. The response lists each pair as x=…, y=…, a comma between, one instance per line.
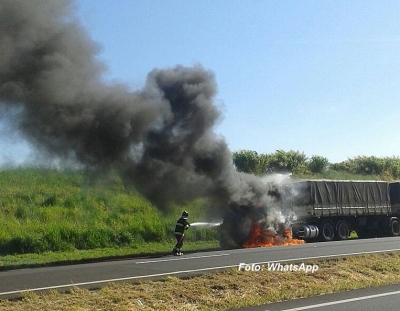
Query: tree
x=283, y=162
x=245, y=161
x=317, y=164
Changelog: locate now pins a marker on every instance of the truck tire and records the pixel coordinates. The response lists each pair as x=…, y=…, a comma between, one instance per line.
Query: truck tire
x=395, y=228
x=342, y=230
x=327, y=231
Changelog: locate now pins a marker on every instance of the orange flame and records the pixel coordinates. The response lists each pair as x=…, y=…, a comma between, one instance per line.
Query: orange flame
x=263, y=237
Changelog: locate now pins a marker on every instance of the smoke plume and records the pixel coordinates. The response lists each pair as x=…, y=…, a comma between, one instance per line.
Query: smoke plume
x=159, y=139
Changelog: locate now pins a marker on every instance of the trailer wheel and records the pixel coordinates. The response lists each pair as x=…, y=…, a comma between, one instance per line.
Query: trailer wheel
x=327, y=231
x=395, y=228
x=342, y=230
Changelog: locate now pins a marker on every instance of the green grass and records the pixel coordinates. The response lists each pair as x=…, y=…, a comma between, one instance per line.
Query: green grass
x=44, y=210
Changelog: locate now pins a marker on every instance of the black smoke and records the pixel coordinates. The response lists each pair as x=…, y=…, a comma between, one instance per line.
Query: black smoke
x=159, y=139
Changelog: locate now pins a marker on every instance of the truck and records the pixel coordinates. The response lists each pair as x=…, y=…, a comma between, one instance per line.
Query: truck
x=326, y=210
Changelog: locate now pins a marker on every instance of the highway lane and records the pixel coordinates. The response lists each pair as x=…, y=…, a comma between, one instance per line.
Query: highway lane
x=93, y=275
x=374, y=298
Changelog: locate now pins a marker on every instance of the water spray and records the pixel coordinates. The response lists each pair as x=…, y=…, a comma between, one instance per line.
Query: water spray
x=206, y=224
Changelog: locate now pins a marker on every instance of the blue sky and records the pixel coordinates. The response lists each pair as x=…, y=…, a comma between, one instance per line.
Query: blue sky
x=319, y=77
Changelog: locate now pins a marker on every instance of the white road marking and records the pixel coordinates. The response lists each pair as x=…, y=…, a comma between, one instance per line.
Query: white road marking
x=179, y=272
x=342, y=301
x=180, y=258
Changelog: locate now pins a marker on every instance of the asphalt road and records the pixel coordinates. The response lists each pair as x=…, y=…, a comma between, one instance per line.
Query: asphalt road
x=374, y=298
x=93, y=275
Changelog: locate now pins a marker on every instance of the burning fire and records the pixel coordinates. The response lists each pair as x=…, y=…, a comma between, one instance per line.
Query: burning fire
x=260, y=237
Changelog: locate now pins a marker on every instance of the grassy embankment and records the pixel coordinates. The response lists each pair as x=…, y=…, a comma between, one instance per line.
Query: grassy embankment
x=48, y=216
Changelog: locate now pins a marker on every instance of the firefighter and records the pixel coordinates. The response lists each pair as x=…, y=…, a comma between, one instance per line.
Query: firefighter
x=181, y=225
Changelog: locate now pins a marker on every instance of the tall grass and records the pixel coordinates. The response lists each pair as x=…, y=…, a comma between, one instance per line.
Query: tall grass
x=49, y=210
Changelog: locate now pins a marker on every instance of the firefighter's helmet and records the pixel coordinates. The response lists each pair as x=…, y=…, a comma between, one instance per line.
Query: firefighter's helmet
x=185, y=215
